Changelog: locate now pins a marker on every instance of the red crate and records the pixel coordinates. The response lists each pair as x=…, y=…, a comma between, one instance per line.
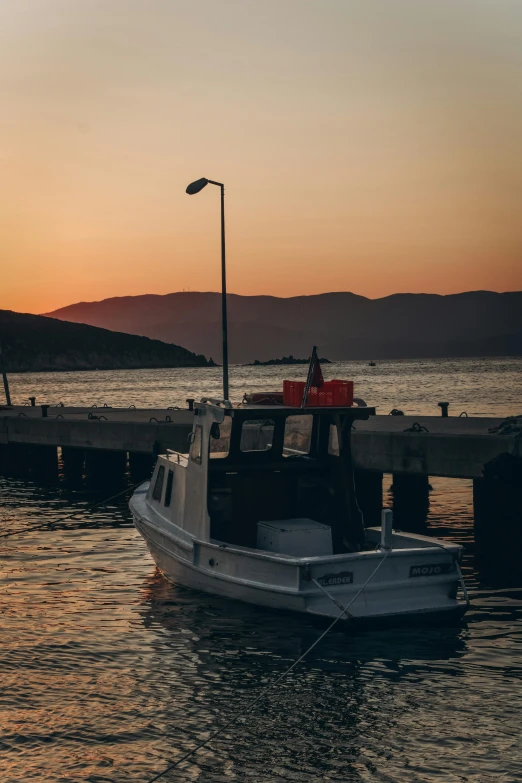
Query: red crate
x=335, y=394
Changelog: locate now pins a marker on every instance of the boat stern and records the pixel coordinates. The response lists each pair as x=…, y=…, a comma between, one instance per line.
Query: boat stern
x=416, y=576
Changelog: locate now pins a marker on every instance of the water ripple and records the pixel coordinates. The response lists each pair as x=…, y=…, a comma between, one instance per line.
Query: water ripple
x=109, y=673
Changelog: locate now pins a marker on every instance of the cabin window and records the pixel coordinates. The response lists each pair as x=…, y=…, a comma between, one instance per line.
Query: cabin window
x=196, y=444
x=158, y=486
x=257, y=435
x=220, y=446
x=298, y=436
x=333, y=441
x=168, y=490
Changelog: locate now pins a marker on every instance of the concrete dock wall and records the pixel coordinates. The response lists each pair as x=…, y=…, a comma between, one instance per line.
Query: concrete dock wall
x=104, y=442
x=424, y=445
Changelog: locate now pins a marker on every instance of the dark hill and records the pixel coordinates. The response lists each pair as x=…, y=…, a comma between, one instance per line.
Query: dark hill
x=342, y=325
x=33, y=343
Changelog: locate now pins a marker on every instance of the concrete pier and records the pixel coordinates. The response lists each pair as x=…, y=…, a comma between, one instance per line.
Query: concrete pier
x=412, y=448
x=109, y=429
x=431, y=445
x=427, y=445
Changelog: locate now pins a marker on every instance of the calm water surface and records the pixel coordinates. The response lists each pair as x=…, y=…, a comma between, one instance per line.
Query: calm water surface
x=108, y=672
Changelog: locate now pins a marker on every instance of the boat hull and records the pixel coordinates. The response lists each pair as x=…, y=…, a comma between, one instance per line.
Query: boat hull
x=315, y=586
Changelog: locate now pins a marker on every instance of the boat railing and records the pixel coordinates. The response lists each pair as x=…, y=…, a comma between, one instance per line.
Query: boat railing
x=217, y=401
x=288, y=452
x=178, y=456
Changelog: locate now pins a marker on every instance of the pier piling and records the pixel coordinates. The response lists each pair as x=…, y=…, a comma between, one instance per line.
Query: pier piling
x=73, y=461
x=105, y=466
x=411, y=501
x=4, y=452
x=497, y=503
x=141, y=466
x=43, y=461
x=16, y=459
x=368, y=487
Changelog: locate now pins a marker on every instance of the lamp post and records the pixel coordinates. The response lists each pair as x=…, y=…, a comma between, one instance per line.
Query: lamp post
x=192, y=189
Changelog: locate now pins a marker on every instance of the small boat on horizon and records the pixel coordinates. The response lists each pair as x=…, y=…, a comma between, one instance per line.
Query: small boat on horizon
x=372, y=364
x=262, y=509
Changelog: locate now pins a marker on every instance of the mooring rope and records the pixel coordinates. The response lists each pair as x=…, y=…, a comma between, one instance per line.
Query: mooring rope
x=271, y=685
x=72, y=516
x=465, y=591
x=463, y=584
x=512, y=425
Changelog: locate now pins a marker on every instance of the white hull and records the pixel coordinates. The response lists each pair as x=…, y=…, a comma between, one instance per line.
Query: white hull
x=397, y=589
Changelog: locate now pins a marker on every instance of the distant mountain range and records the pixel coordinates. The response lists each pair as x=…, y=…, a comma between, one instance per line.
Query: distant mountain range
x=33, y=343
x=342, y=325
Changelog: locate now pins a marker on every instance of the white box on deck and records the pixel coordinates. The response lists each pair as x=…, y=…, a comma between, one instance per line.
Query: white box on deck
x=297, y=537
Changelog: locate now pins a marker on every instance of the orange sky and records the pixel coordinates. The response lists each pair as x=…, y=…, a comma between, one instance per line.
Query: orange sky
x=367, y=146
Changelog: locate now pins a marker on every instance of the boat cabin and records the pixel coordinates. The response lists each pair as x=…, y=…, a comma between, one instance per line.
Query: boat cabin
x=252, y=465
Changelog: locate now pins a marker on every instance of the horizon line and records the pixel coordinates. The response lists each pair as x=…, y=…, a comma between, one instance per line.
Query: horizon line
x=273, y=296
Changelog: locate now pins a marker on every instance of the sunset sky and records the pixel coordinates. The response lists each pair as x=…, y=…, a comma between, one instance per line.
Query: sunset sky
x=372, y=146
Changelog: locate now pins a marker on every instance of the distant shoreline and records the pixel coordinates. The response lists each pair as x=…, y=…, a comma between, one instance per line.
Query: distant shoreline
x=33, y=343
x=55, y=370
x=355, y=362
x=285, y=360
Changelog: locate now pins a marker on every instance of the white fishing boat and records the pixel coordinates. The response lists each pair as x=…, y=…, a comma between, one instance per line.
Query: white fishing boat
x=262, y=509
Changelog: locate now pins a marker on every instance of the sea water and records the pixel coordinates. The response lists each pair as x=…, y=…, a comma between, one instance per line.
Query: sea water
x=109, y=673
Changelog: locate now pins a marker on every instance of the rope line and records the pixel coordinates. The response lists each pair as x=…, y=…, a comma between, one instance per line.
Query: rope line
x=272, y=685
x=465, y=590
x=72, y=516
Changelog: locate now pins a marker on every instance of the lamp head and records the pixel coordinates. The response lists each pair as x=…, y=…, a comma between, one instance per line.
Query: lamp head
x=196, y=186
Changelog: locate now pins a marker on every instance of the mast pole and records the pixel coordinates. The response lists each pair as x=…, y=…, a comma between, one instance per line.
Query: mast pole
x=4, y=376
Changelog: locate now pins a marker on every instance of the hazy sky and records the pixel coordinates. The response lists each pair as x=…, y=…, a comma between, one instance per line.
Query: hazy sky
x=369, y=145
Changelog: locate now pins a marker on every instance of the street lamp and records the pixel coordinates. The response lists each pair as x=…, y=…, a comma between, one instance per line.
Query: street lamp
x=192, y=189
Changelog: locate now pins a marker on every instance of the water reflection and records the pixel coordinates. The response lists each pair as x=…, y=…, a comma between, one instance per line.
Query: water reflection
x=327, y=715
x=288, y=634
x=108, y=671
x=481, y=386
